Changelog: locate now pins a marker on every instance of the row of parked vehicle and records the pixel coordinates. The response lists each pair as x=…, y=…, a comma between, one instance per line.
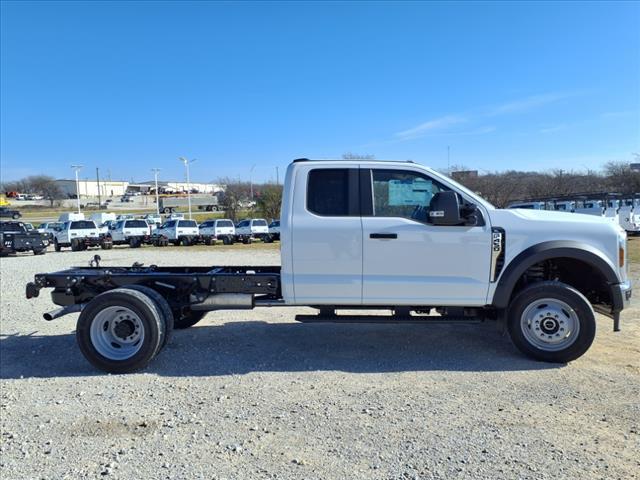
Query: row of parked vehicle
x=625, y=210
x=80, y=234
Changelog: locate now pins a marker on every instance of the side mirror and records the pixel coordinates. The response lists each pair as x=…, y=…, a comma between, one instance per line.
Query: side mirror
x=445, y=209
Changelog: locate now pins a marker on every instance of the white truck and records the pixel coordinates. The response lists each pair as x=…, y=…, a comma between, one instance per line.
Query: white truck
x=208, y=203
x=132, y=232
x=367, y=235
x=629, y=214
x=80, y=235
x=177, y=232
x=274, y=229
x=217, y=229
x=248, y=230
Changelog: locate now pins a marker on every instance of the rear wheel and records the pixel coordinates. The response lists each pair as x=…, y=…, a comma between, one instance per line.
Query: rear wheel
x=184, y=241
x=76, y=246
x=227, y=240
x=134, y=242
x=552, y=322
x=15, y=216
x=162, y=303
x=187, y=319
x=120, y=330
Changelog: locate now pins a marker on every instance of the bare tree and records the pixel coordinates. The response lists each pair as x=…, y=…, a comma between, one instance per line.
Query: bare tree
x=357, y=156
x=234, y=197
x=269, y=200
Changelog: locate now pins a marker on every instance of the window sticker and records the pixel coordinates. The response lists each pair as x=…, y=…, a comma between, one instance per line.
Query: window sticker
x=415, y=191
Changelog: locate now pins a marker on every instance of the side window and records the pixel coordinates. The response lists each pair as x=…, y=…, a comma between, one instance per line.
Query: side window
x=333, y=192
x=405, y=194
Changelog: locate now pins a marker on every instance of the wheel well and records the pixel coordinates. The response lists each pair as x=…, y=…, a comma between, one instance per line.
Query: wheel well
x=584, y=277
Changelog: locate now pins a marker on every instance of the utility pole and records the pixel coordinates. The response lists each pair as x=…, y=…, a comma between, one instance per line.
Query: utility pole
x=277, y=176
x=77, y=168
x=155, y=173
x=186, y=165
x=251, y=180
x=98, y=181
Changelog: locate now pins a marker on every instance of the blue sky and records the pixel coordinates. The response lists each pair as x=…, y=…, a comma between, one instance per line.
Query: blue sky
x=131, y=86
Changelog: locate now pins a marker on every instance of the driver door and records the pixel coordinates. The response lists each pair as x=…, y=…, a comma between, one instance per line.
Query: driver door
x=407, y=261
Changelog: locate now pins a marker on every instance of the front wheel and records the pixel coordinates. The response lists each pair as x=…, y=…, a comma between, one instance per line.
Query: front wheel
x=552, y=322
x=56, y=245
x=15, y=216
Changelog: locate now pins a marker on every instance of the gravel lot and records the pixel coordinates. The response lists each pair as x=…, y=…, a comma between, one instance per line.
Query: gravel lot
x=255, y=395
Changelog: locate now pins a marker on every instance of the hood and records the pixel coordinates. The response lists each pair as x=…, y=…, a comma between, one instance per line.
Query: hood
x=525, y=228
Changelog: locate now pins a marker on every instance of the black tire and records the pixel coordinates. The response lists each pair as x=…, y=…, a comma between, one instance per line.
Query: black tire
x=209, y=241
x=106, y=245
x=143, y=307
x=16, y=216
x=134, y=242
x=246, y=240
x=534, y=324
x=267, y=239
x=184, y=241
x=164, y=307
x=40, y=251
x=187, y=319
x=56, y=245
x=227, y=241
x=75, y=245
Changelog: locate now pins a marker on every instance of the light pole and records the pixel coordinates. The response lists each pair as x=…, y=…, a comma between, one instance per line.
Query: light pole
x=77, y=169
x=155, y=173
x=251, y=180
x=186, y=165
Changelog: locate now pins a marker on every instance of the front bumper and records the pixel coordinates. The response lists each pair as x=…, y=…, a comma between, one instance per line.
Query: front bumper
x=623, y=292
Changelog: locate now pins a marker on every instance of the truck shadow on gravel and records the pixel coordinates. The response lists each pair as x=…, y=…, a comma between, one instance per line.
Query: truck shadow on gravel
x=252, y=346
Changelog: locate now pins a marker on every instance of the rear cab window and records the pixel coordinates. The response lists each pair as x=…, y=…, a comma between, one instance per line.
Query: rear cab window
x=333, y=192
x=187, y=223
x=82, y=225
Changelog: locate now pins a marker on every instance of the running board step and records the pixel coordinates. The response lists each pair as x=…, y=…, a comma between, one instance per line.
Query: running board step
x=384, y=319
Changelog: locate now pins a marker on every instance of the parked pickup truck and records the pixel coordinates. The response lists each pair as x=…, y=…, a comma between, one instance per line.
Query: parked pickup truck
x=248, y=230
x=132, y=232
x=362, y=235
x=14, y=237
x=217, y=229
x=178, y=232
x=80, y=235
x=8, y=213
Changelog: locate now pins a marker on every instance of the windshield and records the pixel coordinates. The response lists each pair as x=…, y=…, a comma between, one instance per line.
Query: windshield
x=82, y=225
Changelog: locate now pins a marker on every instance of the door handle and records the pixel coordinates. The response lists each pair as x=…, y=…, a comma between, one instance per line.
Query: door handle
x=383, y=235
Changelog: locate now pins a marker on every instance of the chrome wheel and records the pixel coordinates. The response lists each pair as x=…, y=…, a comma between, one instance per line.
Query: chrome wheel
x=550, y=324
x=117, y=333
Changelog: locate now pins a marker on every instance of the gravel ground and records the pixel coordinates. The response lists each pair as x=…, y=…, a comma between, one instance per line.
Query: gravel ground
x=255, y=395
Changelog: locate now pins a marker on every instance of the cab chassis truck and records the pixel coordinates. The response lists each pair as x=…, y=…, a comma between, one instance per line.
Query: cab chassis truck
x=372, y=235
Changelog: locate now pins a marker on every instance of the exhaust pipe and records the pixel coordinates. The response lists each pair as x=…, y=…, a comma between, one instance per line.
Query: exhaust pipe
x=59, y=312
x=224, y=301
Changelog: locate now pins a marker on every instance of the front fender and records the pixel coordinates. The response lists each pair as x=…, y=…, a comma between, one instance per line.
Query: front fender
x=546, y=251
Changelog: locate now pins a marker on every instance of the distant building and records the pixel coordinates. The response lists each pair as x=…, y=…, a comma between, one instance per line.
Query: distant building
x=89, y=188
x=117, y=188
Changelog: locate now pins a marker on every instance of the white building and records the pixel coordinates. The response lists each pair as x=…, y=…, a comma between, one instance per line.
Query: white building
x=89, y=188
